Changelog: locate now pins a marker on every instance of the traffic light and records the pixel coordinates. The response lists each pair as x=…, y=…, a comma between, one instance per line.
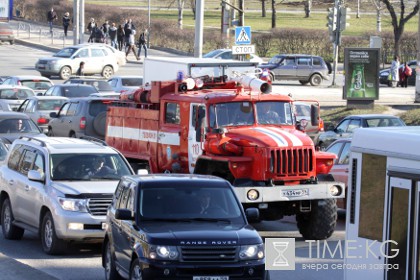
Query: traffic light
x=344, y=16
x=332, y=23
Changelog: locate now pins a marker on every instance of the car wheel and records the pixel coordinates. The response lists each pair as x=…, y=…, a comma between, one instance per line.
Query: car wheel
x=390, y=83
x=107, y=72
x=10, y=231
x=72, y=134
x=65, y=73
x=315, y=80
x=136, y=272
x=109, y=262
x=51, y=244
x=50, y=132
x=12, y=42
x=304, y=83
x=99, y=124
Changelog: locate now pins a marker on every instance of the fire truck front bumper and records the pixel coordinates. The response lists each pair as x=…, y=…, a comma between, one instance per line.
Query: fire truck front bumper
x=322, y=190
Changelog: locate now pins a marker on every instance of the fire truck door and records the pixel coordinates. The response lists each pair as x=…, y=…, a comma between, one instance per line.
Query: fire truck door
x=195, y=134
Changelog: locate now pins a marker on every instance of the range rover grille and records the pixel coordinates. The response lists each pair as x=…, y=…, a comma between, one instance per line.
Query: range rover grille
x=209, y=253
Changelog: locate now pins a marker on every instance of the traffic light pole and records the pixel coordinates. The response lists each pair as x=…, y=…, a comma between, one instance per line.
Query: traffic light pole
x=336, y=43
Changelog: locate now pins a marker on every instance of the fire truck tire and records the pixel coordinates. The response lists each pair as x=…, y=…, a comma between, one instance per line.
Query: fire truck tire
x=320, y=223
x=99, y=123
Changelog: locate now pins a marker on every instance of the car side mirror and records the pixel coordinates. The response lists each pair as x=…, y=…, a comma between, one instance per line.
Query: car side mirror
x=124, y=214
x=252, y=215
x=35, y=175
x=53, y=114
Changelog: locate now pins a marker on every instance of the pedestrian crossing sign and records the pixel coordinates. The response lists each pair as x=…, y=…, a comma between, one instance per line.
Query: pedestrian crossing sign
x=243, y=35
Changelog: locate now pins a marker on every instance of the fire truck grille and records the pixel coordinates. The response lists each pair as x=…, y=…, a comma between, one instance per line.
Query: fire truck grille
x=209, y=254
x=292, y=162
x=99, y=206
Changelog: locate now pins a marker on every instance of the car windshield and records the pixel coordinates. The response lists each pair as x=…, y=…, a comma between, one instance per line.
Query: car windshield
x=50, y=105
x=132, y=82
x=36, y=84
x=275, y=60
x=189, y=202
x=99, y=85
x=242, y=113
x=212, y=53
x=76, y=91
x=87, y=167
x=378, y=122
x=18, y=125
x=66, y=52
x=14, y=93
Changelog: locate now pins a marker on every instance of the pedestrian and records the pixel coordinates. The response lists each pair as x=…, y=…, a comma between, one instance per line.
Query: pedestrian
x=128, y=25
x=51, y=16
x=113, y=36
x=81, y=70
x=394, y=71
x=131, y=43
x=105, y=29
x=98, y=35
x=120, y=37
x=143, y=43
x=91, y=26
x=405, y=72
x=66, y=23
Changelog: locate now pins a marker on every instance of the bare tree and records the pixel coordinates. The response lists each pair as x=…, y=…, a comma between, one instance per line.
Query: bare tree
x=273, y=14
x=263, y=8
x=180, y=6
x=192, y=5
x=378, y=7
x=398, y=22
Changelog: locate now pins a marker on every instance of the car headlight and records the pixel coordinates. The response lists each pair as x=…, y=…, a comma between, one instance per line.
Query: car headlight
x=251, y=252
x=52, y=62
x=76, y=205
x=158, y=252
x=384, y=74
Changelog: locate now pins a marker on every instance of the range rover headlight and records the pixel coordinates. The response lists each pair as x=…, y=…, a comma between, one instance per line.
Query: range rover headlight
x=76, y=205
x=251, y=252
x=163, y=252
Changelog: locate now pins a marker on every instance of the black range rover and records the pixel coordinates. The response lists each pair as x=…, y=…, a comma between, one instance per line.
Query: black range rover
x=180, y=227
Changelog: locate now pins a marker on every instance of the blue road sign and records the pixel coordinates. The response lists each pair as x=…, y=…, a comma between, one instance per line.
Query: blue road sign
x=243, y=35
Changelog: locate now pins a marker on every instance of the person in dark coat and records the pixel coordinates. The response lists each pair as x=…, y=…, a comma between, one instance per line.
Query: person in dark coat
x=66, y=23
x=143, y=43
x=99, y=35
x=113, y=36
x=81, y=70
x=120, y=37
x=91, y=26
x=51, y=16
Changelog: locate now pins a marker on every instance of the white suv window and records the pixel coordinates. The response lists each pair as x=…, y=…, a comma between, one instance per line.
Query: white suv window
x=97, y=53
x=83, y=53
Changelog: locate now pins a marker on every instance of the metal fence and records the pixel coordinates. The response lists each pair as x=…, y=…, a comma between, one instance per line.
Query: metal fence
x=28, y=31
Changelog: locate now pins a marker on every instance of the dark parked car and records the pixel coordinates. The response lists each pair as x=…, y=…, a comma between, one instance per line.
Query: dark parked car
x=71, y=90
x=340, y=169
x=346, y=127
x=14, y=125
x=80, y=117
x=180, y=227
x=384, y=73
x=6, y=33
x=302, y=67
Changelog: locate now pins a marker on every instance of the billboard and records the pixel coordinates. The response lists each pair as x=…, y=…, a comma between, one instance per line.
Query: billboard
x=5, y=6
x=361, y=67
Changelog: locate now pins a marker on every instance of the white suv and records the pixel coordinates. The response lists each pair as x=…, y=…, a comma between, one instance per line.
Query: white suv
x=98, y=59
x=59, y=188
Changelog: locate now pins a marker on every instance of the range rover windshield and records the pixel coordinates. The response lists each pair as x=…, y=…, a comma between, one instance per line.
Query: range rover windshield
x=189, y=204
x=247, y=113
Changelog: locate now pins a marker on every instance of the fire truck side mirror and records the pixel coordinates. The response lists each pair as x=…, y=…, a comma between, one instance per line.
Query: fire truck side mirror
x=314, y=115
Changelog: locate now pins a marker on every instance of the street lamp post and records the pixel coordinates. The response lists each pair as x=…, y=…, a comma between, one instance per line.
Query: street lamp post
x=148, y=25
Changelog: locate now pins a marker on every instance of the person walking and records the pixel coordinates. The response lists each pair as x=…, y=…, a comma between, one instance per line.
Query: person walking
x=98, y=34
x=66, y=23
x=394, y=71
x=91, y=26
x=51, y=17
x=120, y=37
x=113, y=36
x=105, y=29
x=128, y=25
x=81, y=70
x=405, y=72
x=143, y=43
x=131, y=43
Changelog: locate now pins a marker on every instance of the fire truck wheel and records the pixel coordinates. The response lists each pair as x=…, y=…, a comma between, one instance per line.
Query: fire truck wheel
x=320, y=223
x=99, y=123
x=107, y=72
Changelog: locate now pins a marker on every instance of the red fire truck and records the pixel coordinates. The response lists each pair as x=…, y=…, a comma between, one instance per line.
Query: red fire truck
x=230, y=126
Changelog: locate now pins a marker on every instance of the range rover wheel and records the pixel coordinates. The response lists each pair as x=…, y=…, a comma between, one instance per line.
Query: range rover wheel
x=111, y=272
x=107, y=72
x=51, y=244
x=136, y=272
x=10, y=231
x=65, y=73
x=315, y=80
x=319, y=224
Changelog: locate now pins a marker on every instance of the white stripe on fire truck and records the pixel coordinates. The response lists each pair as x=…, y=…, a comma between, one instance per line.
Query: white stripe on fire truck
x=295, y=140
x=280, y=141
x=143, y=135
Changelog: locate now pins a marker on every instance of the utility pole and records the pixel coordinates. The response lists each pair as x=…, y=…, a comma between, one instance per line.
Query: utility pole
x=82, y=22
x=76, y=22
x=148, y=25
x=199, y=22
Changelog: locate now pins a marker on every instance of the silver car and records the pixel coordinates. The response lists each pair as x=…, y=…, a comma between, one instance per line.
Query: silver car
x=38, y=108
x=37, y=83
x=98, y=59
x=11, y=97
x=125, y=83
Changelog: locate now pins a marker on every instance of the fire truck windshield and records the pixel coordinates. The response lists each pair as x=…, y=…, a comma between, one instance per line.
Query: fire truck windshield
x=242, y=113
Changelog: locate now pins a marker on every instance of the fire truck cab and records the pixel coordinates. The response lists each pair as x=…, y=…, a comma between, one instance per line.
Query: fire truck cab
x=219, y=120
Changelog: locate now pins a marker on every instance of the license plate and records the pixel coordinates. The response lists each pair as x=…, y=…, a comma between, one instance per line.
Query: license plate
x=211, y=278
x=295, y=193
